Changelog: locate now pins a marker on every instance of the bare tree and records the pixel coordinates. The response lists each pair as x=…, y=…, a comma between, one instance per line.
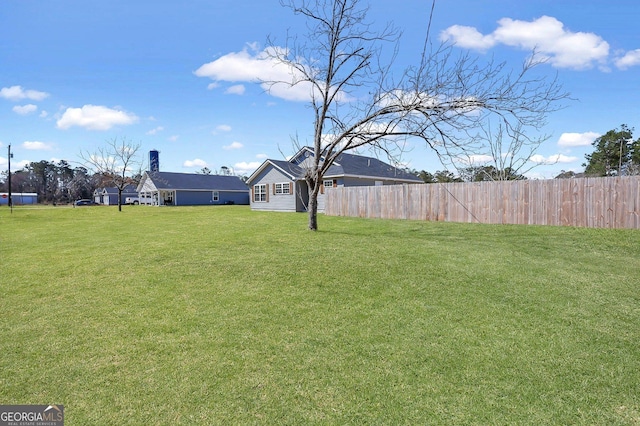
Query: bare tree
x=358, y=101
x=204, y=171
x=508, y=153
x=114, y=161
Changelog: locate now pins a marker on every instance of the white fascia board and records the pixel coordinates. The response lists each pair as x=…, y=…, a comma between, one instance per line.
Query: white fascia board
x=259, y=169
x=377, y=178
x=300, y=152
x=264, y=166
x=206, y=190
x=146, y=184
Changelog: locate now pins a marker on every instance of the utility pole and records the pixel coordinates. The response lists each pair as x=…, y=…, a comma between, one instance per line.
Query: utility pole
x=620, y=162
x=10, y=199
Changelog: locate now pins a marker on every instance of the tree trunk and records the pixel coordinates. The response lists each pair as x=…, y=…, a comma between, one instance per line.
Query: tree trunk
x=313, y=211
x=314, y=188
x=119, y=199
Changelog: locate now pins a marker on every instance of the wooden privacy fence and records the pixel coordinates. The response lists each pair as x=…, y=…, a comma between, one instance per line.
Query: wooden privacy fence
x=612, y=202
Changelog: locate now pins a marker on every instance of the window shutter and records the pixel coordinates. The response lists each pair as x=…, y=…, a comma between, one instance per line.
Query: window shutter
x=253, y=193
x=266, y=192
x=273, y=188
x=322, y=188
x=335, y=183
x=291, y=188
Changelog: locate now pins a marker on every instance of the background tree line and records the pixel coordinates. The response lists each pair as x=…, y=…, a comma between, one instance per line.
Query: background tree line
x=58, y=183
x=614, y=154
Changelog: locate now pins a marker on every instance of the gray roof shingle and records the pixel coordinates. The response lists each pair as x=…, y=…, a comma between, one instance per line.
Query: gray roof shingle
x=358, y=165
x=292, y=169
x=192, y=181
x=345, y=165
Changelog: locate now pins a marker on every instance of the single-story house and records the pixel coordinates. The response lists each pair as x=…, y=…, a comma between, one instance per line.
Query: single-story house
x=190, y=189
x=109, y=196
x=279, y=185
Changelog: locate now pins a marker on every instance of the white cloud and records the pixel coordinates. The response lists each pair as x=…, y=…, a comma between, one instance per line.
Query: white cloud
x=197, y=163
x=547, y=35
x=17, y=93
x=22, y=164
x=263, y=156
x=43, y=114
x=37, y=146
x=95, y=117
x=577, y=139
x=467, y=38
x=630, y=59
x=237, y=89
x=253, y=66
x=15, y=165
x=155, y=131
x=245, y=66
x=174, y=138
x=25, y=109
x=223, y=128
x=301, y=92
x=245, y=168
x=552, y=159
x=234, y=145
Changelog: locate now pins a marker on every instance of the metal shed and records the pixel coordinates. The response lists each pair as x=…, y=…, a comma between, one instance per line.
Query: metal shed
x=19, y=198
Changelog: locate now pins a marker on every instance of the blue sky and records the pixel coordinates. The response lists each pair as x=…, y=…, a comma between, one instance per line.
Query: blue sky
x=179, y=76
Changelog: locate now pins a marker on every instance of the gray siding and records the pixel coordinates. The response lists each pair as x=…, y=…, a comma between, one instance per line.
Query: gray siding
x=353, y=181
x=275, y=202
x=112, y=199
x=205, y=198
x=193, y=198
x=241, y=198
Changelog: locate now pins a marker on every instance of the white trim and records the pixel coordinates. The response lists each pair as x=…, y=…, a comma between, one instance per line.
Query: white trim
x=202, y=190
x=373, y=177
x=282, y=188
x=263, y=193
x=275, y=166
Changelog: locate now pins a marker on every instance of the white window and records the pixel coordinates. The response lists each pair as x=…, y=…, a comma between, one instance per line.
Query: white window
x=260, y=193
x=328, y=183
x=282, y=188
x=216, y=196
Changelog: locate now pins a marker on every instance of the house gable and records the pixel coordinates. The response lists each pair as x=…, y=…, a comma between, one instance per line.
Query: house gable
x=273, y=188
x=146, y=184
x=289, y=170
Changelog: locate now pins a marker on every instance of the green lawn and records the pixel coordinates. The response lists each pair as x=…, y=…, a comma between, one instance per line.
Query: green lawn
x=220, y=315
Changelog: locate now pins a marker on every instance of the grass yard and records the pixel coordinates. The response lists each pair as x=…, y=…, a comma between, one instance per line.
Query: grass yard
x=220, y=315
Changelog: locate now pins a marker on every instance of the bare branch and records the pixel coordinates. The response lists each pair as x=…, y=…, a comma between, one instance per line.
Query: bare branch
x=450, y=102
x=115, y=160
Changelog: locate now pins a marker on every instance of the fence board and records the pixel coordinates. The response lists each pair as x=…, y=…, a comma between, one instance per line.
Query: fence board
x=612, y=202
